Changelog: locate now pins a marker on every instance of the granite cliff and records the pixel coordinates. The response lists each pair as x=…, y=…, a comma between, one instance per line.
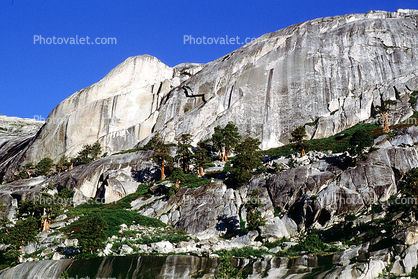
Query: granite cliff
x=327, y=75
x=334, y=71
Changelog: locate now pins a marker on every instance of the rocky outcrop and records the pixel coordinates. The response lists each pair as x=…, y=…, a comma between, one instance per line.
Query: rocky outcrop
x=336, y=70
x=42, y=269
x=15, y=127
x=107, y=180
x=16, y=134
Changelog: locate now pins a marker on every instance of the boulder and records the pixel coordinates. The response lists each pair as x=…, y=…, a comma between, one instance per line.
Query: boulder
x=409, y=236
x=274, y=229
x=125, y=249
x=57, y=256
x=410, y=259
x=163, y=247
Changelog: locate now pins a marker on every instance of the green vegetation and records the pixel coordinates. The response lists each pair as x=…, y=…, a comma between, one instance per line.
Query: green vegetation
x=409, y=183
x=337, y=143
x=162, y=155
x=298, y=136
x=184, y=153
x=360, y=139
x=91, y=235
x=226, y=271
x=311, y=244
x=231, y=138
x=183, y=180
x=44, y=166
x=89, y=153
x=114, y=214
x=247, y=159
x=254, y=219
x=244, y=252
x=276, y=243
x=22, y=233
x=171, y=236
x=218, y=142
x=114, y=218
x=202, y=157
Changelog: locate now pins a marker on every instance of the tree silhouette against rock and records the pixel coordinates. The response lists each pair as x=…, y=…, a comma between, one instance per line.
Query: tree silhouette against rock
x=298, y=136
x=162, y=155
x=246, y=160
x=231, y=138
x=202, y=157
x=185, y=152
x=218, y=141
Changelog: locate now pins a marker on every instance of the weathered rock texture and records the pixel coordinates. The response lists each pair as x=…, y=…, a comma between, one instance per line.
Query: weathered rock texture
x=335, y=69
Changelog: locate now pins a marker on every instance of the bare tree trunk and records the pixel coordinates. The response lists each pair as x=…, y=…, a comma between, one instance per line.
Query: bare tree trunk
x=46, y=220
x=28, y=174
x=386, y=122
x=222, y=157
x=71, y=166
x=303, y=152
x=201, y=171
x=162, y=172
x=226, y=153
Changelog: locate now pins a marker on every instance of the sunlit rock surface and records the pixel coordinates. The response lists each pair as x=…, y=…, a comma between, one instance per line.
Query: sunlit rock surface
x=333, y=70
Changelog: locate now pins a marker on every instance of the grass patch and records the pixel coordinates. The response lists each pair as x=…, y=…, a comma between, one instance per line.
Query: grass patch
x=114, y=218
x=244, y=252
x=276, y=243
x=336, y=143
x=129, y=151
x=114, y=214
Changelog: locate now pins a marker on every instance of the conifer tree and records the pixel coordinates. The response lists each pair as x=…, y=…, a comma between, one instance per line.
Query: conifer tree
x=246, y=160
x=231, y=138
x=297, y=136
x=184, y=151
x=218, y=141
x=202, y=157
x=162, y=154
x=96, y=150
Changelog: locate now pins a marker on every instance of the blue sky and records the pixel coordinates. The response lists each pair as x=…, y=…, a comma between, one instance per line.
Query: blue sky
x=35, y=77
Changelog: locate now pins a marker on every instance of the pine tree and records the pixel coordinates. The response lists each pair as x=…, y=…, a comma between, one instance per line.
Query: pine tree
x=231, y=138
x=218, y=141
x=177, y=177
x=297, y=136
x=184, y=151
x=96, y=150
x=247, y=153
x=44, y=166
x=359, y=141
x=84, y=155
x=93, y=233
x=62, y=163
x=202, y=157
x=4, y=220
x=162, y=154
x=246, y=160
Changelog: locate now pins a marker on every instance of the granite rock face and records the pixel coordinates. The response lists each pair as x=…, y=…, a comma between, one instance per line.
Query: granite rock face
x=107, y=179
x=336, y=70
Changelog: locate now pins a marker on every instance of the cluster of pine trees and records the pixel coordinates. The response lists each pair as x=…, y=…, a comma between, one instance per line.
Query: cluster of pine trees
x=223, y=142
x=46, y=166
